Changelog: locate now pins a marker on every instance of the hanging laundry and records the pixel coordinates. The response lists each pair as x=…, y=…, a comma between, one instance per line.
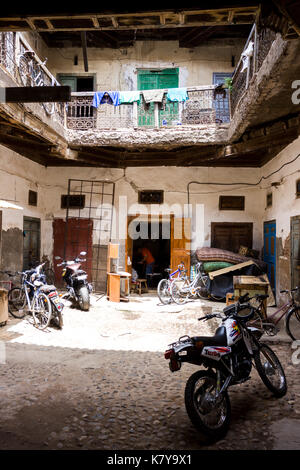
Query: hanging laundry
x=129, y=97
x=100, y=98
x=153, y=95
x=177, y=94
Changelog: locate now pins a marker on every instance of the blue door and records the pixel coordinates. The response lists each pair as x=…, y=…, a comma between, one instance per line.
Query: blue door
x=270, y=251
x=221, y=103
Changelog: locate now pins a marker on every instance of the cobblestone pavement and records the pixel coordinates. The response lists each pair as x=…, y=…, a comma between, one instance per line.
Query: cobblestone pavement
x=103, y=383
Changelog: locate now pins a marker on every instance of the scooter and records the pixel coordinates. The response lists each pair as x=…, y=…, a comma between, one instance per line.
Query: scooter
x=76, y=279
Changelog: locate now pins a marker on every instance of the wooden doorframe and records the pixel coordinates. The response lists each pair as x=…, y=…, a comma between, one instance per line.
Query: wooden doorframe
x=129, y=241
x=181, y=252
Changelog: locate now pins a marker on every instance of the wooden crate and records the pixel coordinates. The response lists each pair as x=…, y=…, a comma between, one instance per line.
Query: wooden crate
x=251, y=285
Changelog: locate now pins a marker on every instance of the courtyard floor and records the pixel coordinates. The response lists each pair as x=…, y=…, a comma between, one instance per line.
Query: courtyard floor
x=102, y=383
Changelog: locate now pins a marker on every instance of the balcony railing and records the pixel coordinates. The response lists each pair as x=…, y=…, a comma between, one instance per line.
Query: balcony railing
x=255, y=51
x=26, y=69
x=206, y=105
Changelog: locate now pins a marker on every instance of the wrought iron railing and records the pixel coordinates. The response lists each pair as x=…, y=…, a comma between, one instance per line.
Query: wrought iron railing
x=205, y=105
x=15, y=60
x=255, y=51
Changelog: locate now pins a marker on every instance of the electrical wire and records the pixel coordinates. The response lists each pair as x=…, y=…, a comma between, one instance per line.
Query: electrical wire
x=239, y=183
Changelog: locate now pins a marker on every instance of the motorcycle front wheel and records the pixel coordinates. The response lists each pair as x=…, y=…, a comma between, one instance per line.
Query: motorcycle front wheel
x=209, y=415
x=84, y=298
x=270, y=370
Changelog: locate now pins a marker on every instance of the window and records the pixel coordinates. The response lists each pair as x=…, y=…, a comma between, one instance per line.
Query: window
x=269, y=199
x=72, y=201
x=233, y=203
x=32, y=198
x=77, y=82
x=298, y=188
x=151, y=197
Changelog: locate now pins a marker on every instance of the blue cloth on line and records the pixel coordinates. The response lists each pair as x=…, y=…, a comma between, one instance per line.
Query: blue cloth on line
x=99, y=98
x=177, y=94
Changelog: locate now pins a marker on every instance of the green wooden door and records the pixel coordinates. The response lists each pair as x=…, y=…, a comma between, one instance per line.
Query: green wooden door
x=155, y=79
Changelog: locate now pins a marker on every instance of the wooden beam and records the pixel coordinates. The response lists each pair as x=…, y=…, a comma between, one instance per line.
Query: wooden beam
x=114, y=22
x=84, y=51
x=42, y=94
x=49, y=24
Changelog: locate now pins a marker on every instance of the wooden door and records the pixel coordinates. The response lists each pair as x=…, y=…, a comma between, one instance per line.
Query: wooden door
x=157, y=79
x=31, y=242
x=230, y=236
x=180, y=243
x=270, y=251
x=295, y=251
x=69, y=244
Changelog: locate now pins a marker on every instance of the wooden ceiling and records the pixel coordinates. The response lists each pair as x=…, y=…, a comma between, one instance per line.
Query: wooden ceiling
x=118, y=29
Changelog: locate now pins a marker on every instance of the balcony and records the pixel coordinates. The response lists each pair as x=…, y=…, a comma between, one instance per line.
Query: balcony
x=206, y=105
x=23, y=67
x=193, y=132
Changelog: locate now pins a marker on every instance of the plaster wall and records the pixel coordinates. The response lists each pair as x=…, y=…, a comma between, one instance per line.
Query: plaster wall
x=285, y=205
x=18, y=175
x=116, y=69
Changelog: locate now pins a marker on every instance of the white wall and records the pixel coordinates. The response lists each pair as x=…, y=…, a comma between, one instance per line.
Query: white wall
x=116, y=69
x=18, y=175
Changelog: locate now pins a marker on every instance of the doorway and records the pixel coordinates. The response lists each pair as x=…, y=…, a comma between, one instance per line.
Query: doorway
x=295, y=252
x=270, y=252
x=157, y=79
x=31, y=242
x=169, y=237
x=155, y=237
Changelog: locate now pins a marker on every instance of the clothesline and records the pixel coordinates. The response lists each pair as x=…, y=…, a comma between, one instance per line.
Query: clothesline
x=127, y=97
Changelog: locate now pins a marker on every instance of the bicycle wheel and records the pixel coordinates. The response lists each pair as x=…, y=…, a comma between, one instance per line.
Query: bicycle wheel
x=41, y=311
x=17, y=302
x=164, y=291
x=270, y=370
x=179, y=292
x=24, y=71
x=292, y=323
x=49, y=108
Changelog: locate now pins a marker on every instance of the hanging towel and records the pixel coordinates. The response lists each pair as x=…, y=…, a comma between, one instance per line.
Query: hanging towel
x=177, y=94
x=153, y=95
x=99, y=98
x=129, y=96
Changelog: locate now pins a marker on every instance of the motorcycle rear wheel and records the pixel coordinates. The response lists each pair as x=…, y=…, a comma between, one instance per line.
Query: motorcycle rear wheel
x=212, y=420
x=84, y=298
x=270, y=370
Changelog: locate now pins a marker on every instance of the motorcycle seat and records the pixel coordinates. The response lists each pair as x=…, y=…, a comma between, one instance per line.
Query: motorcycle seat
x=48, y=288
x=219, y=339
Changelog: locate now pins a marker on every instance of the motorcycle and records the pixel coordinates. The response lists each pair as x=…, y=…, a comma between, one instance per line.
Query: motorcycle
x=76, y=279
x=228, y=357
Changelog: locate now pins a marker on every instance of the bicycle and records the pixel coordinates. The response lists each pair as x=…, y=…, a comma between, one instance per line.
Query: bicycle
x=32, y=74
x=183, y=289
x=31, y=298
x=164, y=285
x=291, y=311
